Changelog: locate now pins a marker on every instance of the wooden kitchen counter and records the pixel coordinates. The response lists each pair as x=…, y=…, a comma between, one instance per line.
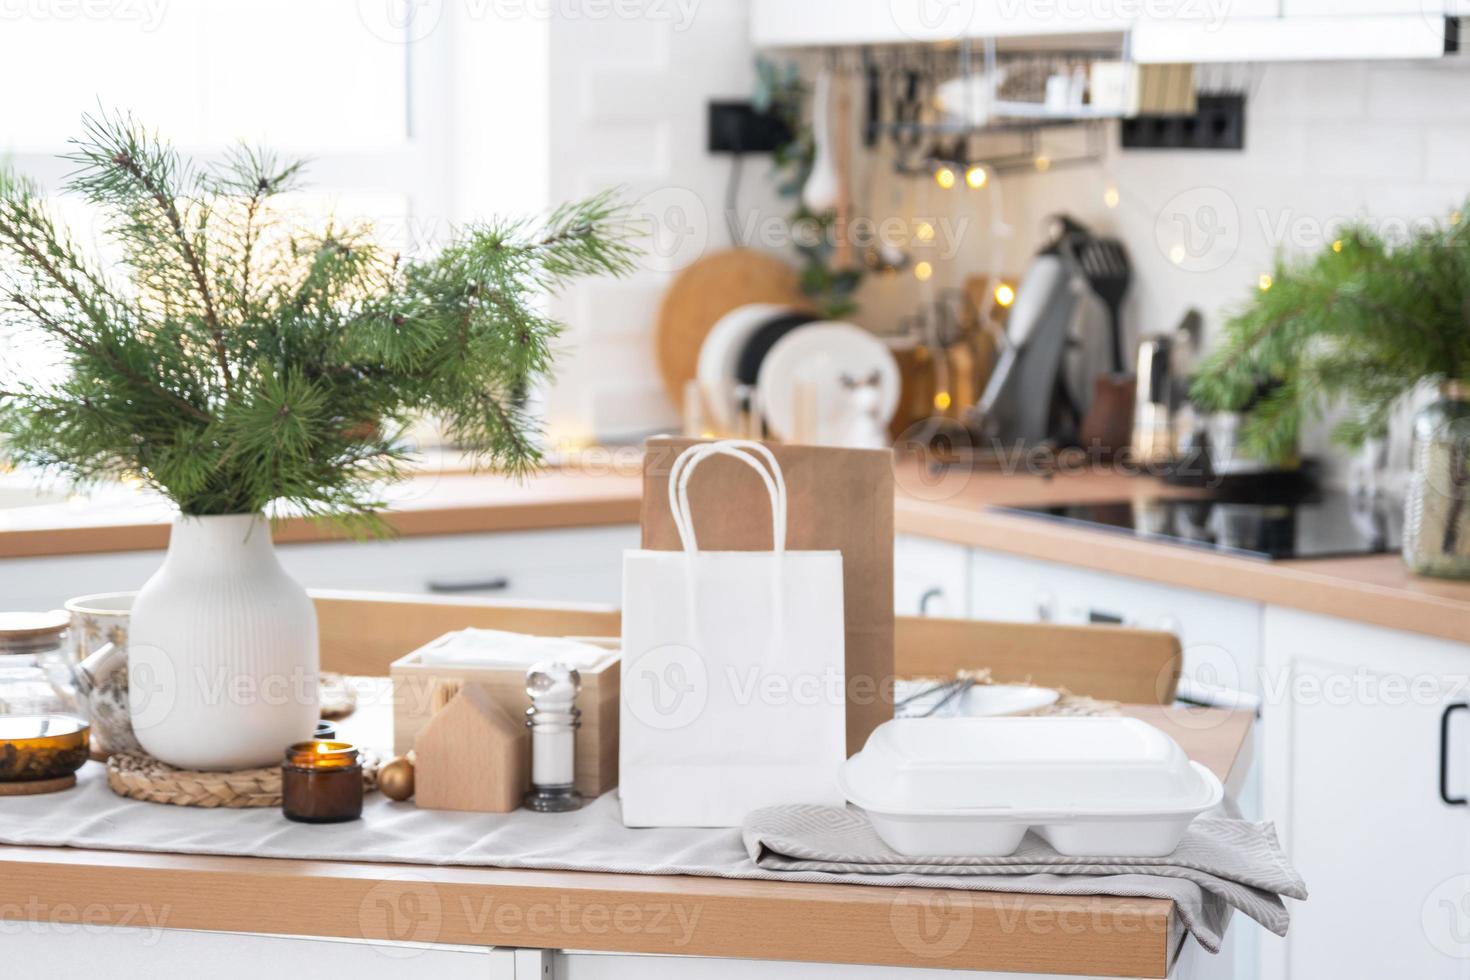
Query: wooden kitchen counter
x=957, y=508
x=857, y=924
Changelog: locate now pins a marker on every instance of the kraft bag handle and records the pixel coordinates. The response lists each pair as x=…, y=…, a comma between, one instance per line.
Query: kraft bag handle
x=744, y=450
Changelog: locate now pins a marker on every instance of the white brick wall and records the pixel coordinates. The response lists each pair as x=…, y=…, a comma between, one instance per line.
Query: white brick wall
x=628, y=104
x=1324, y=143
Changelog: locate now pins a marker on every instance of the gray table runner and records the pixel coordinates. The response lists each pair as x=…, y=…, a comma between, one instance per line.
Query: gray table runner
x=1224, y=863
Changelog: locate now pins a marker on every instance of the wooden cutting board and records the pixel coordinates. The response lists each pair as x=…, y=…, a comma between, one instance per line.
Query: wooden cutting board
x=707, y=290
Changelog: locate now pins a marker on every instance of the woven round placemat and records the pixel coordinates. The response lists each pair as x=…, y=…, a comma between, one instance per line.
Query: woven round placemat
x=142, y=777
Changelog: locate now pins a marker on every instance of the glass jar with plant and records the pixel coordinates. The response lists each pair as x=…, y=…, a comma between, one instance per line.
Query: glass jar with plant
x=1366, y=323
x=231, y=361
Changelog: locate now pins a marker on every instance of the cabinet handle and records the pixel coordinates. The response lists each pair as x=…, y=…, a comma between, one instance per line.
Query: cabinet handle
x=1444, y=756
x=451, y=586
x=929, y=596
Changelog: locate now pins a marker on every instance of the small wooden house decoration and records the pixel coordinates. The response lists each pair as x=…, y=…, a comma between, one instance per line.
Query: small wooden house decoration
x=472, y=755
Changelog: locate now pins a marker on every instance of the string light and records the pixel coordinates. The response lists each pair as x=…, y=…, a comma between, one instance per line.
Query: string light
x=1110, y=197
x=944, y=177
x=1337, y=245
x=1004, y=294
x=1177, y=254
x=925, y=232
x=1043, y=163
x=976, y=177
x=923, y=271
x=1265, y=282
x=942, y=400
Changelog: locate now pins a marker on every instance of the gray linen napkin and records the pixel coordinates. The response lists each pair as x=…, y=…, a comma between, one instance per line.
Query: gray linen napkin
x=1220, y=864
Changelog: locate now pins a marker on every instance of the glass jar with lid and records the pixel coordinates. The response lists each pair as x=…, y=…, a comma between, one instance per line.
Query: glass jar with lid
x=35, y=665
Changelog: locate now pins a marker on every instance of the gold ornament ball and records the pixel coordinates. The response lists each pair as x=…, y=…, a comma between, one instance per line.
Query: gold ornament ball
x=395, y=779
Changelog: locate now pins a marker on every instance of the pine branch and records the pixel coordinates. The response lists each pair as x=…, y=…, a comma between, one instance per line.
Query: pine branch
x=326, y=345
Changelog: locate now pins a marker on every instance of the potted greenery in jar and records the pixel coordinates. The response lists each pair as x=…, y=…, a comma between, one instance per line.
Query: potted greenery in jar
x=230, y=361
x=1367, y=322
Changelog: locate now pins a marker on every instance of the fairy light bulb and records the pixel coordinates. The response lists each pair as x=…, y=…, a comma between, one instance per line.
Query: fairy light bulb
x=976, y=177
x=1265, y=282
x=1043, y=163
x=1111, y=197
x=923, y=271
x=1005, y=295
x=1177, y=254
x=924, y=232
x=944, y=177
x=1337, y=245
x=942, y=400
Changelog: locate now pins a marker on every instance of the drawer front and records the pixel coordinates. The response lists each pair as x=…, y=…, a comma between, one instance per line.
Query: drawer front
x=566, y=564
x=75, y=949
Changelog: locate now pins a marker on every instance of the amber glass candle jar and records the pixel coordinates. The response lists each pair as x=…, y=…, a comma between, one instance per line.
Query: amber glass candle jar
x=321, y=782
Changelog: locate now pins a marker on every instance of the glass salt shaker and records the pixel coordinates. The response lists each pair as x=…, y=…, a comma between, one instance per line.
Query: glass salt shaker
x=553, y=719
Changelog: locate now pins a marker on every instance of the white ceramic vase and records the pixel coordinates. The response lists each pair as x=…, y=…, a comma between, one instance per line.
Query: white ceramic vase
x=222, y=650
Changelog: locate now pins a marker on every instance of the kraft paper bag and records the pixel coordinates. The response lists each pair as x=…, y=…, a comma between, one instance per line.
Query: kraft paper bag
x=839, y=500
x=732, y=668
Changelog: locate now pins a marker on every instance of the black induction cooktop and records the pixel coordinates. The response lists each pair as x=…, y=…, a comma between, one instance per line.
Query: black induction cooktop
x=1327, y=525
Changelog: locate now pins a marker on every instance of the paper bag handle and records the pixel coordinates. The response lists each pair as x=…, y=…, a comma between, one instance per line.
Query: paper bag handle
x=744, y=450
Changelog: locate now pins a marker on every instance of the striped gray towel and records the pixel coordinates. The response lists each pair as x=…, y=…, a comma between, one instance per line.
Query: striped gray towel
x=1221, y=864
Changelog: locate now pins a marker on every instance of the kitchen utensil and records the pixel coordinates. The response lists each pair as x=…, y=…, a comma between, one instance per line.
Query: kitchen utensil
x=740, y=627
x=821, y=192
x=955, y=787
x=1153, y=434
x=1016, y=405
x=1104, y=262
x=841, y=361
x=719, y=356
x=703, y=293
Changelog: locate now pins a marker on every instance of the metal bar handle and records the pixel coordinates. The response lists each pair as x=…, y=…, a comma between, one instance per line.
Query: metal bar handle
x=1444, y=756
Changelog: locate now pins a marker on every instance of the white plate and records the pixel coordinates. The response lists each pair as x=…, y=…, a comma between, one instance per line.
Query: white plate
x=823, y=353
x=980, y=701
x=720, y=352
x=1001, y=700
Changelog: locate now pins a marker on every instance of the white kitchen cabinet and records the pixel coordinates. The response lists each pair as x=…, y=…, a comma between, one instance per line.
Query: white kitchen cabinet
x=930, y=578
x=1221, y=636
x=1357, y=8
x=785, y=23
x=564, y=564
x=73, y=948
x=1352, y=777
x=1193, y=963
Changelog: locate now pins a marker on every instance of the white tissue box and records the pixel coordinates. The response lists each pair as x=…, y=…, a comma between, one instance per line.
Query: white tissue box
x=414, y=682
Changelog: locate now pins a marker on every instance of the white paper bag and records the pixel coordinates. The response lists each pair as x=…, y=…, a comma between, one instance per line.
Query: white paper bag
x=732, y=671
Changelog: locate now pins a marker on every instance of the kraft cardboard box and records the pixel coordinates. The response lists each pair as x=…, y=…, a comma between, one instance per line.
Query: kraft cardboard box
x=838, y=500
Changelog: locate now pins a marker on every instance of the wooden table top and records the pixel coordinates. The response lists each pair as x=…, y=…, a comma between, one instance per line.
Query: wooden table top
x=858, y=924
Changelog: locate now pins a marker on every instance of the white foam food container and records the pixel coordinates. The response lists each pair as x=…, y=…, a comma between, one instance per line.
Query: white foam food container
x=972, y=787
